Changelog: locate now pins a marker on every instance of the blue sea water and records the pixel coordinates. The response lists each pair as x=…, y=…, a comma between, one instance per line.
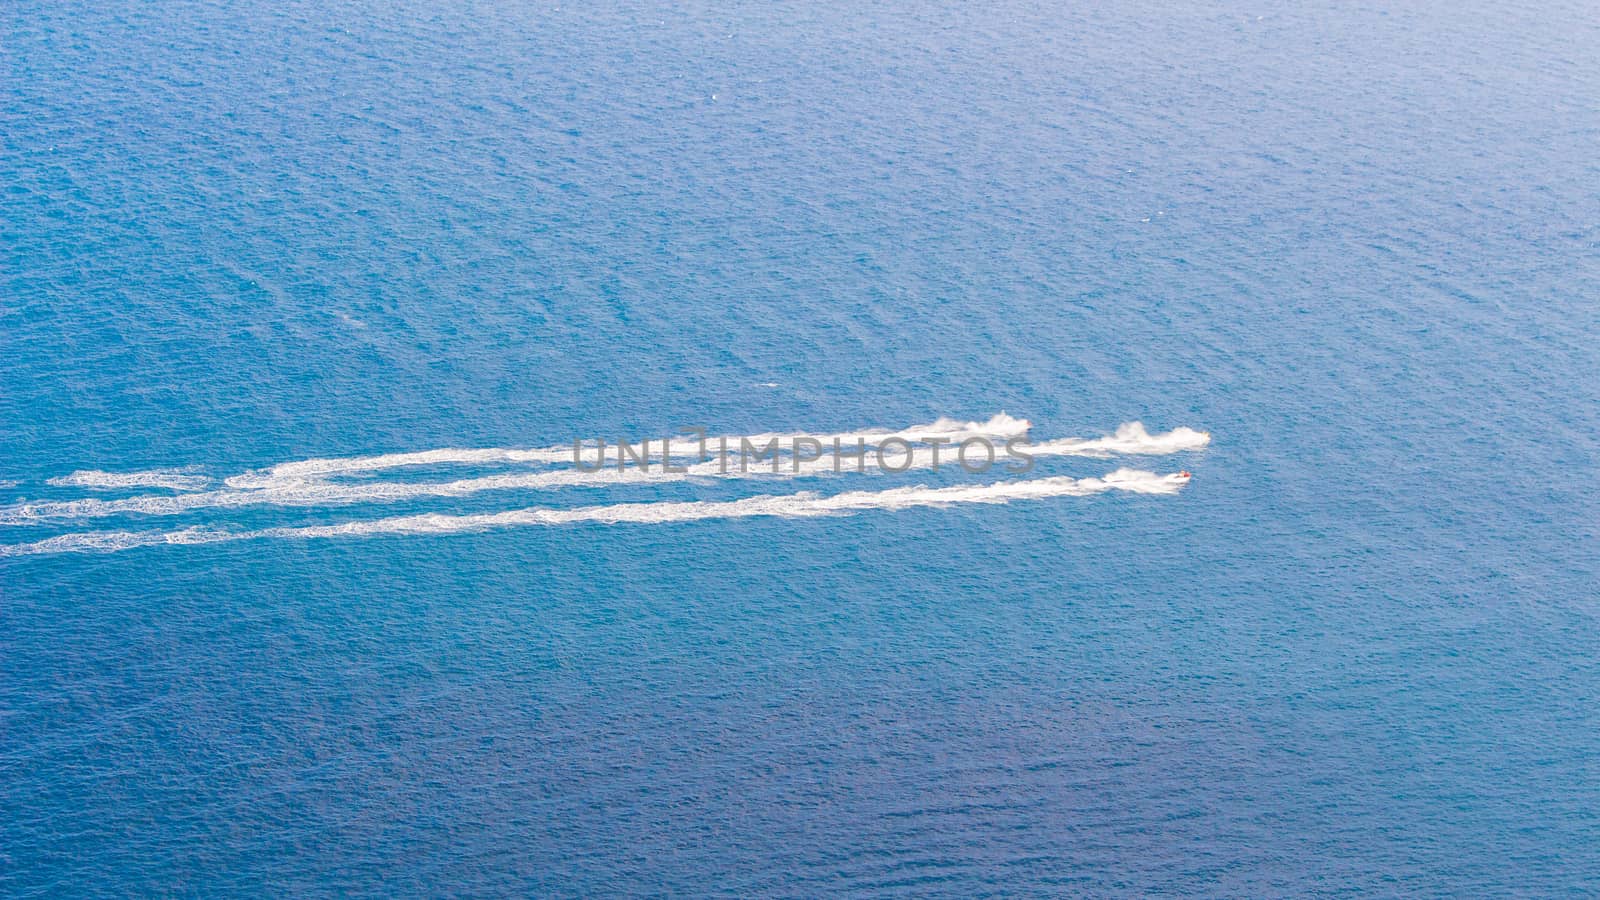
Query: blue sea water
x=1359, y=245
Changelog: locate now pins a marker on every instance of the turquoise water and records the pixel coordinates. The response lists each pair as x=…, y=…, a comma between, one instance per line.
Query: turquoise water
x=1356, y=246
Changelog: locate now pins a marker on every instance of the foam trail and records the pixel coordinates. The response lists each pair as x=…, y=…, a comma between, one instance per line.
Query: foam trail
x=1130, y=438
x=800, y=505
x=95, y=479
x=1000, y=425
x=319, y=492
x=307, y=482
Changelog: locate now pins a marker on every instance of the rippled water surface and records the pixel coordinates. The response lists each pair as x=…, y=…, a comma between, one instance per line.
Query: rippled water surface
x=1357, y=652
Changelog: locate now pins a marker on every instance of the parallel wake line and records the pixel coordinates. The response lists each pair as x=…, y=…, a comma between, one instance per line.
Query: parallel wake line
x=95, y=479
x=799, y=505
x=313, y=490
x=1001, y=425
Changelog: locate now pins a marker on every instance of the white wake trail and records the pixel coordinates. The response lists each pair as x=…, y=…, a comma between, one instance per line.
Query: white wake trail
x=1000, y=425
x=1130, y=438
x=94, y=479
x=308, y=482
x=283, y=490
x=800, y=505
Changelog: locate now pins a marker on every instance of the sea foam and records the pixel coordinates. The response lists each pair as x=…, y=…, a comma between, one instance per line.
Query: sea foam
x=804, y=504
x=312, y=482
x=94, y=479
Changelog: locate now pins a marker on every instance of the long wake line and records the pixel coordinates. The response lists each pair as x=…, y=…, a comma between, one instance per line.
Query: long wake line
x=998, y=426
x=798, y=505
x=310, y=482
